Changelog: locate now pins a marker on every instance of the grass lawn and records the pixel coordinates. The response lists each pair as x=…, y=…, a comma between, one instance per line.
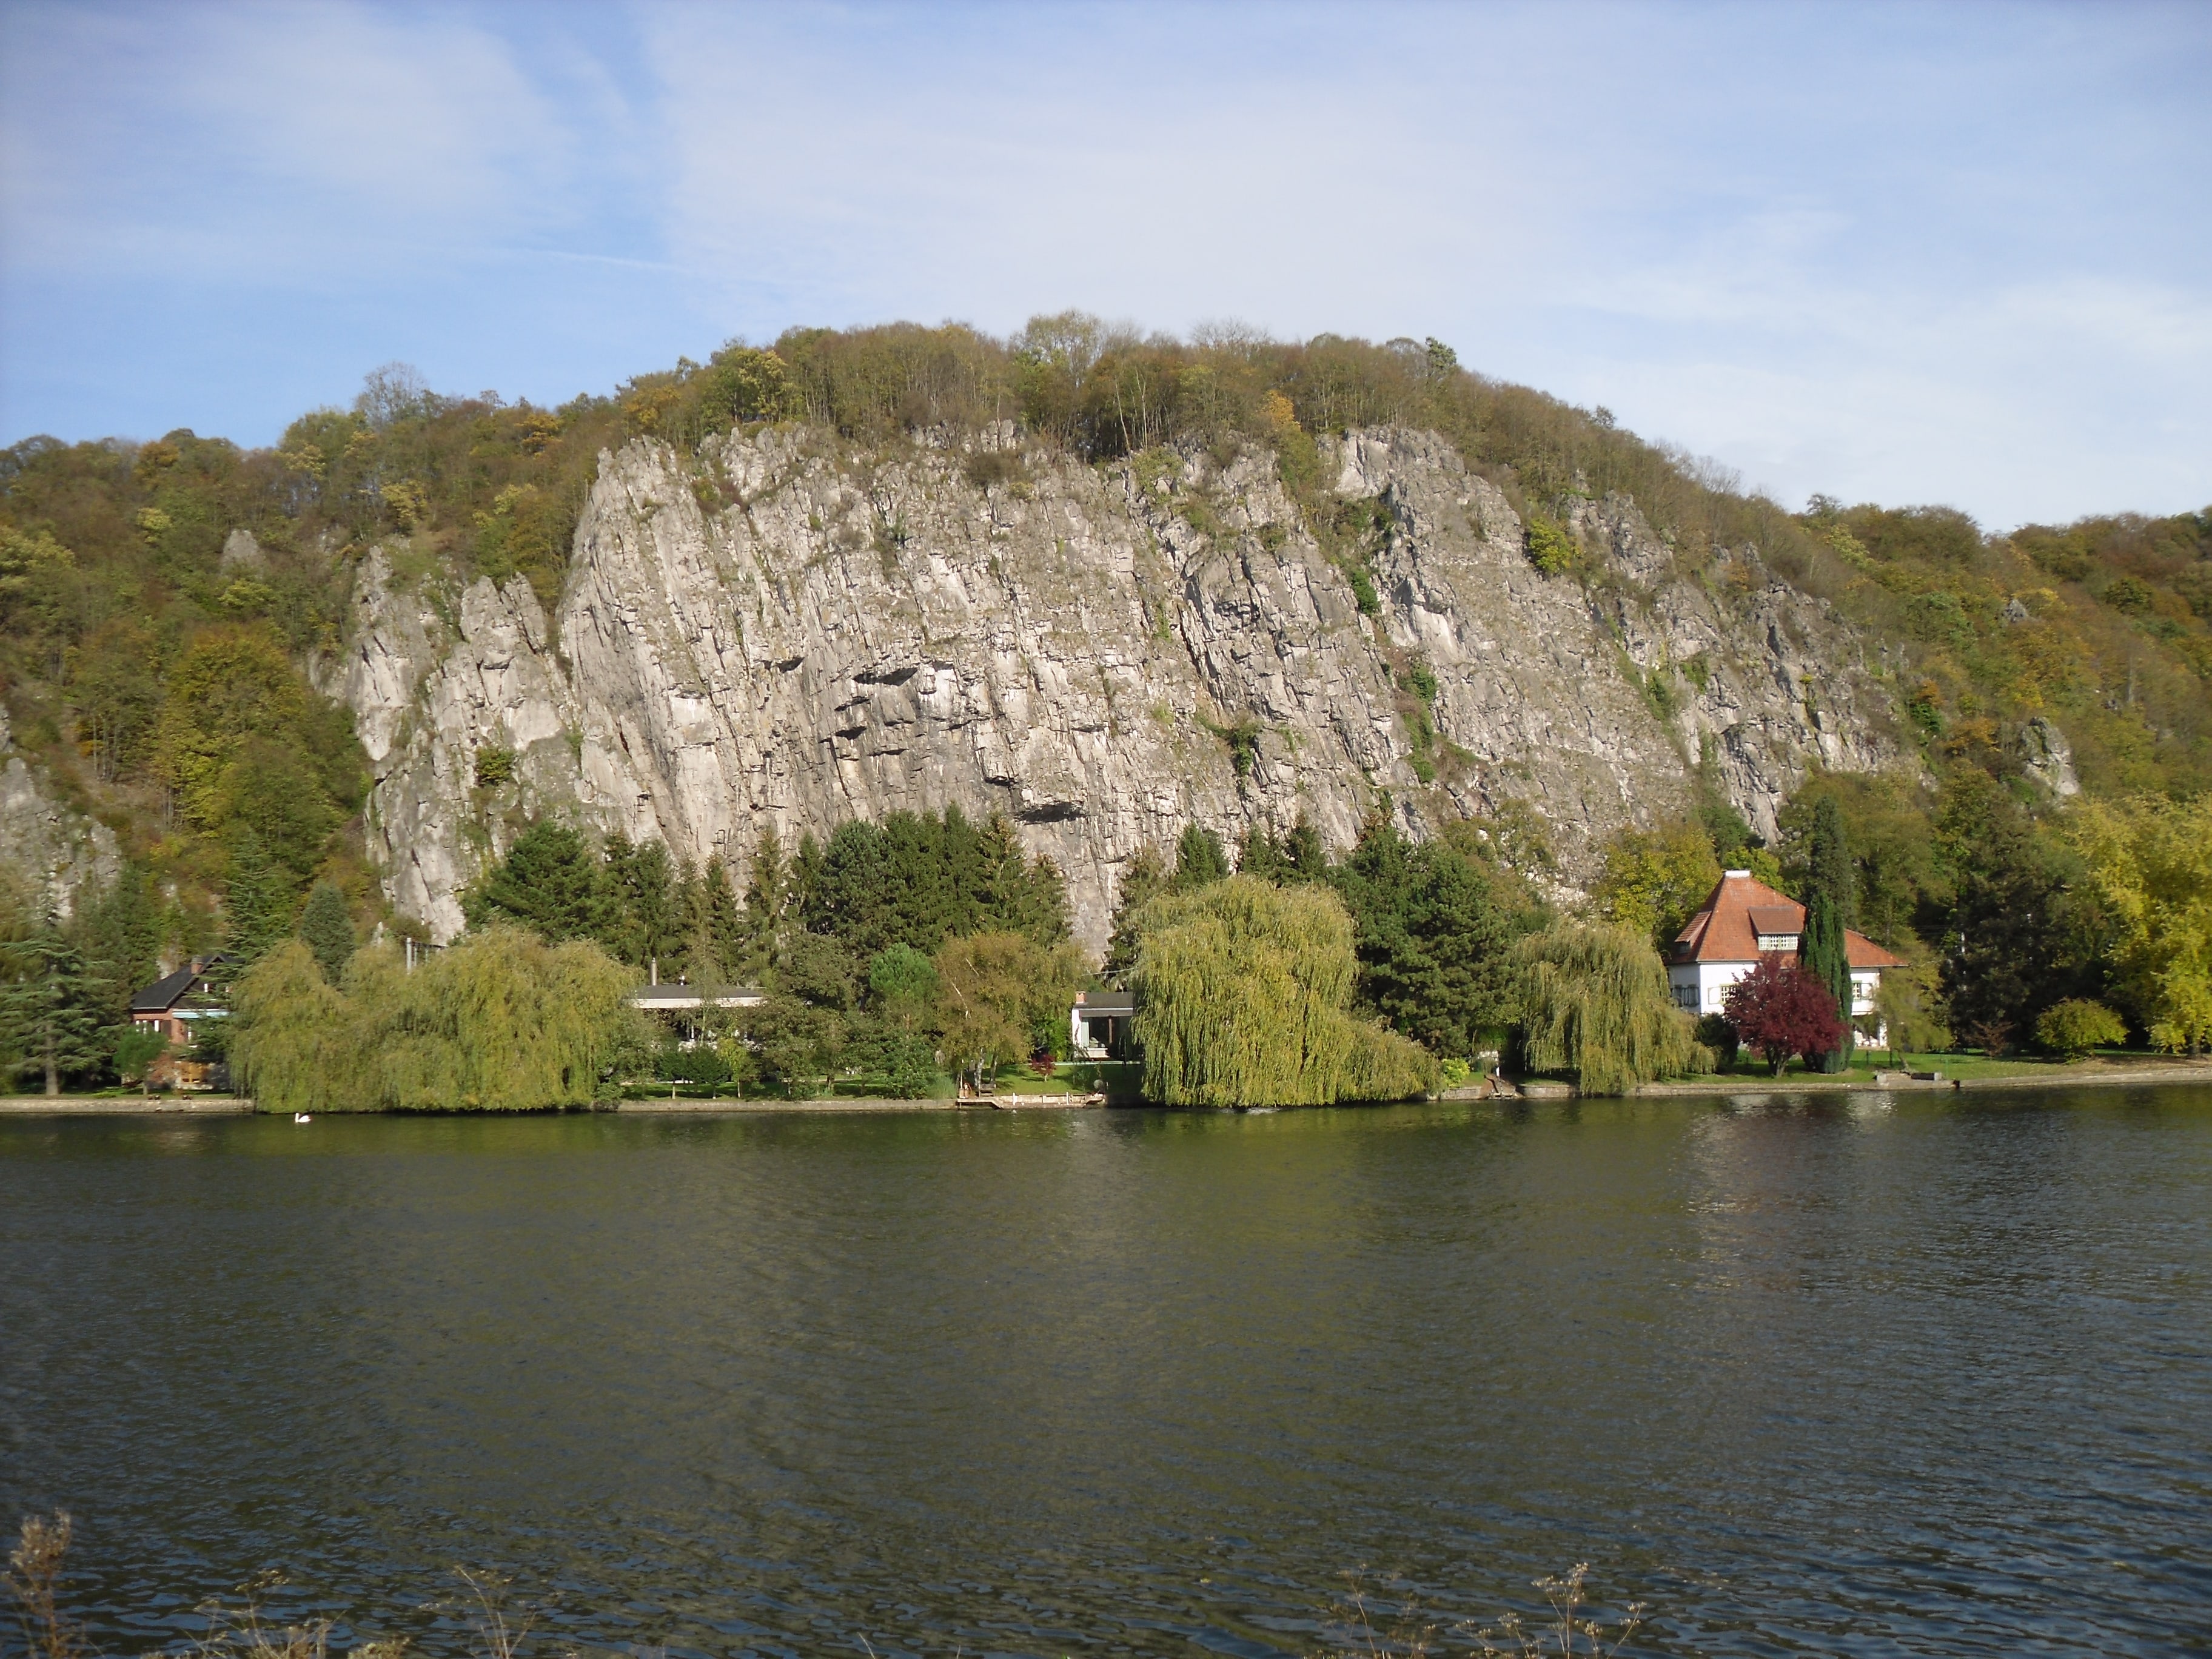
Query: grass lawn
x=1867, y=1062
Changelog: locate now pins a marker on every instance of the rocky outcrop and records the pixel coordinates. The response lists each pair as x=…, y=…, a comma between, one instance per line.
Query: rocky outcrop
x=51, y=851
x=787, y=632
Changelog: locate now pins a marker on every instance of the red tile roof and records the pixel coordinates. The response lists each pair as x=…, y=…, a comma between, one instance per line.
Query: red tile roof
x=1742, y=909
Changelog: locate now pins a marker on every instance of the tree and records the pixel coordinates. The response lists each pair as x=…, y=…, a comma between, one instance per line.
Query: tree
x=1911, y=1009
x=121, y=930
x=1002, y=996
x=1595, y=1001
x=326, y=925
x=2152, y=860
x=257, y=900
x=1199, y=859
x=500, y=1021
x=1245, y=995
x=1144, y=879
x=549, y=883
x=903, y=985
x=1828, y=889
x=638, y=920
x=2074, y=1027
x=1433, y=929
x=138, y=1050
x=1655, y=879
x=1780, y=1009
x=50, y=1006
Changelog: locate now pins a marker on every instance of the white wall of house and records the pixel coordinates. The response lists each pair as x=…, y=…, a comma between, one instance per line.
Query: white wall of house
x=1703, y=986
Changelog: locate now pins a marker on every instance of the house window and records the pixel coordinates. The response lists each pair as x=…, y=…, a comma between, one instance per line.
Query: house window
x=1685, y=996
x=1778, y=941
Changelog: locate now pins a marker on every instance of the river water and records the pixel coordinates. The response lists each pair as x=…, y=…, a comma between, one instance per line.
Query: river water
x=1927, y=1377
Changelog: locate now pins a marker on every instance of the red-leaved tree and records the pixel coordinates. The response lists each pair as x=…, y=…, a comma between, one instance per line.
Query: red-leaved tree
x=1781, y=1010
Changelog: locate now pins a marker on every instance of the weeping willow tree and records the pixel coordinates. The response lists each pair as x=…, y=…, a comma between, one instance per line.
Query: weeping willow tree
x=1595, y=1001
x=1242, y=991
x=500, y=1022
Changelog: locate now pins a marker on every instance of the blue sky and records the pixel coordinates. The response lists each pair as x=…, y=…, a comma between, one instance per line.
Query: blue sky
x=1902, y=254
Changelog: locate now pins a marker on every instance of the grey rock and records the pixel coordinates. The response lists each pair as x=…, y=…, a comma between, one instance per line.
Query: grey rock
x=2043, y=749
x=789, y=633
x=241, y=552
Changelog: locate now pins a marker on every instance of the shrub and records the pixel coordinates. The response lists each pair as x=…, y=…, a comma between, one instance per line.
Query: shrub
x=1717, y=1034
x=1551, y=550
x=2072, y=1027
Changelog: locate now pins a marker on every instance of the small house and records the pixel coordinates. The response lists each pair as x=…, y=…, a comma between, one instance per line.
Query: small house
x=1745, y=920
x=171, y=1007
x=1098, y=1025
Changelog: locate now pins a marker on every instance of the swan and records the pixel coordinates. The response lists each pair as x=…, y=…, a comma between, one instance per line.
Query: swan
x=302, y=1117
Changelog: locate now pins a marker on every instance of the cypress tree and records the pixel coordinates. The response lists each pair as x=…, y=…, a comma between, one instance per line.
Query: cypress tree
x=1827, y=913
x=327, y=925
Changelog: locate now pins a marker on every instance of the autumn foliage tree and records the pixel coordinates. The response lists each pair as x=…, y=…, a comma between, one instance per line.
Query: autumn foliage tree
x=1780, y=1009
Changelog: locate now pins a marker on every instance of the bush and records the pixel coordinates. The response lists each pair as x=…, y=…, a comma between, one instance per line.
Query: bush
x=1717, y=1034
x=1551, y=550
x=2072, y=1027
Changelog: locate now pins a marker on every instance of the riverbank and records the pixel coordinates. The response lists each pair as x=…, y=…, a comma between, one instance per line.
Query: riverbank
x=2081, y=1074
x=136, y=1105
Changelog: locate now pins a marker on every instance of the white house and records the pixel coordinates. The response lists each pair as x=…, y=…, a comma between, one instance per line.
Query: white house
x=1098, y=1025
x=1743, y=921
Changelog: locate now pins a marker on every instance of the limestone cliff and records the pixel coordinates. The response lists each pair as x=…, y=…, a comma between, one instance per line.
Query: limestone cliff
x=49, y=850
x=788, y=631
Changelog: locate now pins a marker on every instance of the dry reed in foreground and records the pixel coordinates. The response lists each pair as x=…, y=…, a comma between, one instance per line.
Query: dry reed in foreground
x=1569, y=1633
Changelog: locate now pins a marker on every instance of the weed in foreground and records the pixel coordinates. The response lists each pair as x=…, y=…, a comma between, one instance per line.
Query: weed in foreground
x=1569, y=1633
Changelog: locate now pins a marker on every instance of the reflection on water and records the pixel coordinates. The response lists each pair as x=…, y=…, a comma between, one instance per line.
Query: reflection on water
x=1882, y=1377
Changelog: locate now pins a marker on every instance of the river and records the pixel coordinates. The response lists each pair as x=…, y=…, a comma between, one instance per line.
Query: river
x=1929, y=1376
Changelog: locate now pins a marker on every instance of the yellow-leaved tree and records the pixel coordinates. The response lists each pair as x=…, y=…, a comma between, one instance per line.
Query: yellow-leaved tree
x=2151, y=859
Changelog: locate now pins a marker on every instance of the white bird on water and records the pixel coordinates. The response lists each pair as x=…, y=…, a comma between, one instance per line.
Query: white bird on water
x=302, y=1117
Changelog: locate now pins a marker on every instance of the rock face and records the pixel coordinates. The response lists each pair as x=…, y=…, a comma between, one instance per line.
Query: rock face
x=785, y=632
x=52, y=851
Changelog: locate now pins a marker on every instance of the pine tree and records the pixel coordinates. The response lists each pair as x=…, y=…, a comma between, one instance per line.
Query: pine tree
x=1259, y=856
x=1144, y=879
x=1827, y=912
x=122, y=939
x=1199, y=859
x=724, y=926
x=50, y=1006
x=1305, y=858
x=326, y=924
x=549, y=883
x=258, y=904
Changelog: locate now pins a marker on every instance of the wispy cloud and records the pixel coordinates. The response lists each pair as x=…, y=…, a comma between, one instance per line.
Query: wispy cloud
x=1885, y=252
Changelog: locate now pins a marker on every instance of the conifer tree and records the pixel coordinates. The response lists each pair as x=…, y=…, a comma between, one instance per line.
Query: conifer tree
x=1828, y=911
x=326, y=924
x=1144, y=879
x=257, y=903
x=122, y=937
x=50, y=1005
x=1199, y=859
x=549, y=883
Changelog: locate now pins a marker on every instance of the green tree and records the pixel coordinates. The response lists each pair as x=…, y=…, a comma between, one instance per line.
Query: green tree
x=1433, y=929
x=50, y=1006
x=1001, y=997
x=326, y=925
x=1828, y=891
x=1244, y=999
x=549, y=883
x=1595, y=1001
x=1199, y=859
x=137, y=1049
x=500, y=1021
x=903, y=985
x=2077, y=1026
x=121, y=929
x=258, y=898
x=1654, y=880
x=1143, y=879
x=2152, y=860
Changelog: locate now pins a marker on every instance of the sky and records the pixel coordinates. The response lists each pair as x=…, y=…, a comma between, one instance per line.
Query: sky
x=1910, y=253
